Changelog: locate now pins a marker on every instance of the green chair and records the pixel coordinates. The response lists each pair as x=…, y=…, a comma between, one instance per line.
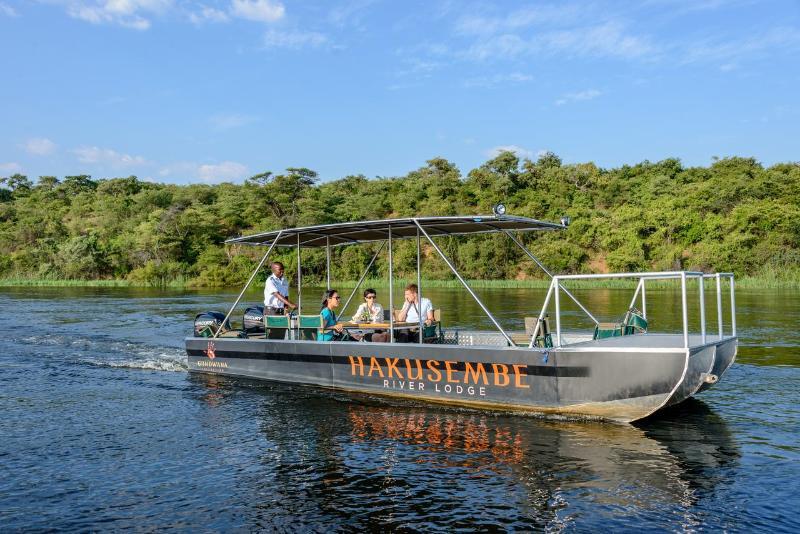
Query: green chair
x=308, y=326
x=432, y=333
x=542, y=338
x=275, y=325
x=632, y=323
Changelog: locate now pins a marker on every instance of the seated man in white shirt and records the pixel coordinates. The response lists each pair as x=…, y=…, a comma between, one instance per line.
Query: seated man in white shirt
x=410, y=313
x=276, y=298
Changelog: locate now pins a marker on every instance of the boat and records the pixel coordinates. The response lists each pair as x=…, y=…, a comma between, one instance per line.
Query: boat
x=621, y=371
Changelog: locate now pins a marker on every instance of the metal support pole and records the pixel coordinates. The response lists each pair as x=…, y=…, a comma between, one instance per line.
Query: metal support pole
x=702, y=309
x=360, y=280
x=391, y=291
x=299, y=304
x=328, y=258
x=636, y=293
x=419, y=292
x=250, y=281
x=733, y=309
x=684, y=312
x=719, y=306
x=548, y=273
x=558, y=313
x=546, y=302
x=644, y=302
x=464, y=283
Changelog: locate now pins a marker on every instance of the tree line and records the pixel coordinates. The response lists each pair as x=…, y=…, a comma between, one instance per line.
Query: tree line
x=733, y=215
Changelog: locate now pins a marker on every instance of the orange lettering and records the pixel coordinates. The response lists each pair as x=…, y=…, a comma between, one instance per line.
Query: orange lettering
x=432, y=365
x=500, y=370
x=391, y=363
x=450, y=371
x=373, y=364
x=476, y=372
x=518, y=375
x=419, y=370
x=353, y=366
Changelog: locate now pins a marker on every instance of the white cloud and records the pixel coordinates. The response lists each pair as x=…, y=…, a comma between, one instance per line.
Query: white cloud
x=605, y=40
x=228, y=121
x=226, y=171
x=10, y=167
x=581, y=96
x=295, y=39
x=350, y=13
x=518, y=150
x=39, y=146
x=478, y=24
x=498, y=79
x=208, y=14
x=7, y=10
x=783, y=39
x=106, y=156
x=258, y=10
x=128, y=13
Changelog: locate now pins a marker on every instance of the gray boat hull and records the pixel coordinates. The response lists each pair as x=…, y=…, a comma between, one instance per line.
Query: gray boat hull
x=619, y=379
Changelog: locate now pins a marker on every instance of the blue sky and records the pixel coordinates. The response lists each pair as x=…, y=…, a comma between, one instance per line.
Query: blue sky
x=188, y=91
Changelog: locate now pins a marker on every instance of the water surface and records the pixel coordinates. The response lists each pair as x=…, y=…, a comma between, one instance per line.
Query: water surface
x=103, y=428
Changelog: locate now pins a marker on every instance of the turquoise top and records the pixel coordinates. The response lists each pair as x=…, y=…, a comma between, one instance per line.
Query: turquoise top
x=328, y=320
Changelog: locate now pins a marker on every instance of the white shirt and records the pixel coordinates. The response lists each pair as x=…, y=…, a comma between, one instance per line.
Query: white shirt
x=376, y=317
x=273, y=285
x=412, y=316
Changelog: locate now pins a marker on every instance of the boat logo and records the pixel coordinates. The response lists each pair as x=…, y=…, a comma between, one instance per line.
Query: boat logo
x=211, y=351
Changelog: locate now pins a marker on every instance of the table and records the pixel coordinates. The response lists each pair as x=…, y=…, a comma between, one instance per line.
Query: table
x=368, y=328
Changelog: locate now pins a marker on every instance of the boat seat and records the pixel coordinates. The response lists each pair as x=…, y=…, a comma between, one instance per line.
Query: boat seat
x=433, y=332
x=308, y=325
x=234, y=333
x=632, y=323
x=277, y=324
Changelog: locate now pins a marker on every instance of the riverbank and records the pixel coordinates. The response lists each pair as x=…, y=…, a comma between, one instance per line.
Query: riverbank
x=772, y=280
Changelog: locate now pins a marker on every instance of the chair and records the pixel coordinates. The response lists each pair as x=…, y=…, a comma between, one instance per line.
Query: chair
x=632, y=323
x=274, y=324
x=308, y=326
x=433, y=332
x=539, y=331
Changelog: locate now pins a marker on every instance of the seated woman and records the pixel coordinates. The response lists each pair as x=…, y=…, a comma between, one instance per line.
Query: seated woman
x=331, y=330
x=369, y=310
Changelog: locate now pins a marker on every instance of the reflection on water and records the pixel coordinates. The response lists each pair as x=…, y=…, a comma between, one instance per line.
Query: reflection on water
x=102, y=428
x=379, y=463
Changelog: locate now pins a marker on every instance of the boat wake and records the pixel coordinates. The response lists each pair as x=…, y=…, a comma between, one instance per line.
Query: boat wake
x=103, y=352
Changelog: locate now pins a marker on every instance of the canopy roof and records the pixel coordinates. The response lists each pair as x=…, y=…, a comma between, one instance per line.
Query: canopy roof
x=348, y=233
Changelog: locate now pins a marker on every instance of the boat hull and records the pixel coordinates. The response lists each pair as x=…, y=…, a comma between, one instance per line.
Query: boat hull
x=599, y=380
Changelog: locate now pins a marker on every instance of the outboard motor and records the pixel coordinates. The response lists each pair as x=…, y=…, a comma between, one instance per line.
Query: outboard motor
x=207, y=323
x=254, y=320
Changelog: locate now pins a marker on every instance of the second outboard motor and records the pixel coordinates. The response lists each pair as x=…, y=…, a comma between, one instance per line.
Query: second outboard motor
x=207, y=323
x=254, y=320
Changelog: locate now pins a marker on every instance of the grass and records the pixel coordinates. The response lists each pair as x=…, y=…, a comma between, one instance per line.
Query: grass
x=768, y=279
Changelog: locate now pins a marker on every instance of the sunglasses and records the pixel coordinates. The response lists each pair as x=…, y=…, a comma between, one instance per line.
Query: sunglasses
x=370, y=296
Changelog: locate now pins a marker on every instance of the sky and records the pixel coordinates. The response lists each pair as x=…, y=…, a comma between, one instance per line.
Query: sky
x=205, y=91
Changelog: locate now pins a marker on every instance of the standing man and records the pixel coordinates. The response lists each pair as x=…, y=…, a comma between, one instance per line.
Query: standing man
x=276, y=298
x=411, y=313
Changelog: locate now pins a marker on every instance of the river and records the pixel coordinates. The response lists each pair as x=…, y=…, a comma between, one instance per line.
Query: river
x=102, y=428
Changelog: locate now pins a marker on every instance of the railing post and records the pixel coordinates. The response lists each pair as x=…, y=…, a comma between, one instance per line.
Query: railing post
x=391, y=291
x=684, y=311
x=733, y=308
x=419, y=293
x=558, y=311
x=701, y=283
x=328, y=260
x=299, y=276
x=644, y=302
x=719, y=306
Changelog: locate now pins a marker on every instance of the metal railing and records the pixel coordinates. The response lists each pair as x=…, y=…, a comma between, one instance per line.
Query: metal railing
x=556, y=287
